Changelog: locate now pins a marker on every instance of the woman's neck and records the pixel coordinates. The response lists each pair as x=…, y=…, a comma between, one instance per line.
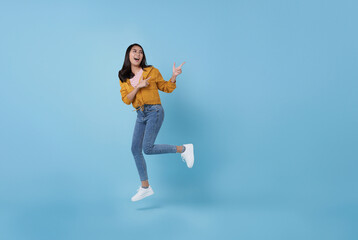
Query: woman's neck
x=135, y=69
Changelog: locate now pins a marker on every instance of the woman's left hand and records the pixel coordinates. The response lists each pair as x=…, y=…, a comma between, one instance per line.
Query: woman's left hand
x=177, y=71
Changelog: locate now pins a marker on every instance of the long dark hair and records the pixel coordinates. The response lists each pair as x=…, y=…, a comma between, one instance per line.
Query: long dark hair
x=126, y=71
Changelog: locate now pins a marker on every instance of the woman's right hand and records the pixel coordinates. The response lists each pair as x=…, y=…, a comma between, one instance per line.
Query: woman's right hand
x=143, y=83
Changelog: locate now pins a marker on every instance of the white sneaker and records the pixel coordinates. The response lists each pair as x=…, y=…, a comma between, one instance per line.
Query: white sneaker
x=142, y=193
x=188, y=155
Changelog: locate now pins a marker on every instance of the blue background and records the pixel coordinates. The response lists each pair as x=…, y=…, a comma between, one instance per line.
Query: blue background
x=268, y=95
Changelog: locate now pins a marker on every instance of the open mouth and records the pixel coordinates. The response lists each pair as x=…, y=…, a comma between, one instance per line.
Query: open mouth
x=137, y=59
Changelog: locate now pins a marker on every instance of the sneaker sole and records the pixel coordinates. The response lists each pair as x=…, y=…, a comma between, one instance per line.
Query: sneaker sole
x=190, y=148
x=143, y=196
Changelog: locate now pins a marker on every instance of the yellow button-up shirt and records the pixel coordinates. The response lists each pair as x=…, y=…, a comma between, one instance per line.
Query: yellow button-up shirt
x=149, y=94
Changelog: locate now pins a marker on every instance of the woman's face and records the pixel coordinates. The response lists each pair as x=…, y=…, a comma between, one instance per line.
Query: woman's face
x=136, y=55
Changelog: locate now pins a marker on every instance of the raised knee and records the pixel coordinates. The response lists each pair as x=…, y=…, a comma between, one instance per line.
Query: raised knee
x=147, y=150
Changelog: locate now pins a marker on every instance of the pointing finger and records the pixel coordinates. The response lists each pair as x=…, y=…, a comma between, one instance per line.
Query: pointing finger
x=181, y=64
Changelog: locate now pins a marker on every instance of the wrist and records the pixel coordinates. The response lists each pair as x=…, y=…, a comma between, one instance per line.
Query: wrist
x=173, y=79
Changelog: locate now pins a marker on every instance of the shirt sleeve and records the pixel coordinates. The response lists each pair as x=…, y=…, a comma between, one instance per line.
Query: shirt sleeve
x=124, y=93
x=165, y=86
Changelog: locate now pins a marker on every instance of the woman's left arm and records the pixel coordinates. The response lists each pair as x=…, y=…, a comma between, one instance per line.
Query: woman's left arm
x=168, y=86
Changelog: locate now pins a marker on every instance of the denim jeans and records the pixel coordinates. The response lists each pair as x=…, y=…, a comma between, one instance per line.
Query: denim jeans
x=148, y=123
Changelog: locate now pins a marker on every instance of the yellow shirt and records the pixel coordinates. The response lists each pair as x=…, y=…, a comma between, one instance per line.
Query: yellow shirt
x=149, y=94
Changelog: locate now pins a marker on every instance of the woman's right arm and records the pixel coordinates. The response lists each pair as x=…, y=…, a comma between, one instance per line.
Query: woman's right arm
x=124, y=94
x=132, y=94
x=129, y=97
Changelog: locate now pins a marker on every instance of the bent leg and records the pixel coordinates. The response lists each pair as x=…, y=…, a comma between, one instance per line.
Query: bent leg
x=154, y=124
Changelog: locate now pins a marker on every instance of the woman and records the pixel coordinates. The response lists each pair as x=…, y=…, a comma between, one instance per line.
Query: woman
x=139, y=86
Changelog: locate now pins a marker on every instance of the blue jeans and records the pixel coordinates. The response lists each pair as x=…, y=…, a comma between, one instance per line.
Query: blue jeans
x=148, y=123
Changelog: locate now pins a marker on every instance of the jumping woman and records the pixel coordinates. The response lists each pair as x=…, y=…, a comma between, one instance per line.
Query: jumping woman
x=139, y=86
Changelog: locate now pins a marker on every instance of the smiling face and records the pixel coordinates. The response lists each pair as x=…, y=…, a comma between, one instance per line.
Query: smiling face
x=136, y=55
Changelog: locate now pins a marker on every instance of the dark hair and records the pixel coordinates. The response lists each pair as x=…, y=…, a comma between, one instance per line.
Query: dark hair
x=126, y=71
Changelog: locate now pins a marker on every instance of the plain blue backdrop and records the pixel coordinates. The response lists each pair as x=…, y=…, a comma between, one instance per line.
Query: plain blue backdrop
x=268, y=96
